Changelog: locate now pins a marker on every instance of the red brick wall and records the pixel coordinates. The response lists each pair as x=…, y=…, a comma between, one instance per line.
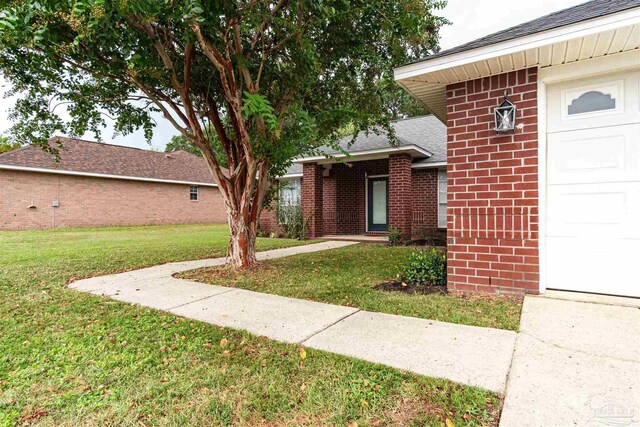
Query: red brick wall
x=492, y=184
x=329, y=202
x=400, y=193
x=424, y=186
x=97, y=202
x=311, y=195
x=351, y=214
x=268, y=220
x=343, y=199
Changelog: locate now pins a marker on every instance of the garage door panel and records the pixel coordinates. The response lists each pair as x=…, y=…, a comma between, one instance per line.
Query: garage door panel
x=596, y=155
x=589, y=267
x=575, y=211
x=607, y=100
x=592, y=229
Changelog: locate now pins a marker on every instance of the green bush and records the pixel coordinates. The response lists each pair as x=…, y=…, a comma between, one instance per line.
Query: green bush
x=395, y=237
x=292, y=221
x=425, y=268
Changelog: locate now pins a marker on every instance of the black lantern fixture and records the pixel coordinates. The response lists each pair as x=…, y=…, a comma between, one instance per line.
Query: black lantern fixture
x=505, y=115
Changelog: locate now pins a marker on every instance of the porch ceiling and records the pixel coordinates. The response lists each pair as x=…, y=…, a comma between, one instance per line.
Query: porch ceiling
x=607, y=35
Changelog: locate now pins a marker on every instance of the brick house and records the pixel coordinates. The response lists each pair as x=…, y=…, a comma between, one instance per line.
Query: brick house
x=374, y=187
x=555, y=202
x=97, y=185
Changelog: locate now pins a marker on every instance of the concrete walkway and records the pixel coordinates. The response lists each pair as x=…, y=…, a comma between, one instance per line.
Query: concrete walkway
x=576, y=363
x=465, y=354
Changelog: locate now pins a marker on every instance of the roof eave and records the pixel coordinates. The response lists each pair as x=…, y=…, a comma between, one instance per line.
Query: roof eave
x=100, y=175
x=568, y=32
x=413, y=150
x=427, y=80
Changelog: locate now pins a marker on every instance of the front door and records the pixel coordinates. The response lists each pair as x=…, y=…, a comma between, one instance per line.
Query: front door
x=378, y=204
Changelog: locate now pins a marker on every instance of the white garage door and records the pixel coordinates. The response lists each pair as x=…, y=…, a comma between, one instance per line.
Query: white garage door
x=593, y=185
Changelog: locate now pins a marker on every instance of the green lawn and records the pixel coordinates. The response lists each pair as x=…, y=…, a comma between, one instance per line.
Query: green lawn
x=346, y=276
x=69, y=358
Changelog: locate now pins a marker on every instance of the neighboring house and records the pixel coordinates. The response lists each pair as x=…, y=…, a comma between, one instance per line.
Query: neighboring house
x=554, y=204
x=375, y=187
x=97, y=184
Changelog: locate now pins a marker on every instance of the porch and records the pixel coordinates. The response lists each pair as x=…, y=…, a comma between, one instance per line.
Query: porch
x=363, y=200
x=364, y=238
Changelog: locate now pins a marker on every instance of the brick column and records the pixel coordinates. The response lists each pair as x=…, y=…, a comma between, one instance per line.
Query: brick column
x=400, y=203
x=312, y=204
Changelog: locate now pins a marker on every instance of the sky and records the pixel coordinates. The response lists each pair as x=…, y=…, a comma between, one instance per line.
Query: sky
x=471, y=19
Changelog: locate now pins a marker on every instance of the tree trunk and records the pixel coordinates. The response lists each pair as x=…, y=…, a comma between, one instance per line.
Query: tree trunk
x=241, y=252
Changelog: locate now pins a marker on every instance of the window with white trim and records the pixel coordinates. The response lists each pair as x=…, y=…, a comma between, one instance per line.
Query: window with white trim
x=193, y=193
x=442, y=199
x=289, y=197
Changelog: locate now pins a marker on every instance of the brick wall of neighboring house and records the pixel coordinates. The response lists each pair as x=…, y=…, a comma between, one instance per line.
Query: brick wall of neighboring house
x=97, y=202
x=424, y=196
x=492, y=184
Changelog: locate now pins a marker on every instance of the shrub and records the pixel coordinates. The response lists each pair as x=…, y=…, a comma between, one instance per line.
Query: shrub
x=425, y=268
x=292, y=221
x=394, y=236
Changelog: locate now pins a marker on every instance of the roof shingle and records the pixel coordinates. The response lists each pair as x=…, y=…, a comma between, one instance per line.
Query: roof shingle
x=106, y=159
x=426, y=132
x=572, y=15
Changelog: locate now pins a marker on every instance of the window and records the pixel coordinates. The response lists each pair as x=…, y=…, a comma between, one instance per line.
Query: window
x=289, y=199
x=593, y=100
x=442, y=199
x=193, y=192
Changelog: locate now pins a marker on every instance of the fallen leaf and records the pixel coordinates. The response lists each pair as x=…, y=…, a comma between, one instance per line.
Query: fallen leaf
x=449, y=423
x=303, y=353
x=224, y=342
x=352, y=424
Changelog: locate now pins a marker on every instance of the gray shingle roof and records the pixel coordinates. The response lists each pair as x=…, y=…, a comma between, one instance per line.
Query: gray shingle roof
x=572, y=15
x=426, y=132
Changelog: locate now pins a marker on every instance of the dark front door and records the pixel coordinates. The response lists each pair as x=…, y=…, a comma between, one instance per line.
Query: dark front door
x=378, y=204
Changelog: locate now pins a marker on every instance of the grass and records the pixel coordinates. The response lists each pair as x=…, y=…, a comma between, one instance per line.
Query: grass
x=346, y=276
x=69, y=358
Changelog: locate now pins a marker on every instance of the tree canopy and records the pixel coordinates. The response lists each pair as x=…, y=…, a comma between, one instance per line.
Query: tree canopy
x=274, y=79
x=6, y=145
x=180, y=143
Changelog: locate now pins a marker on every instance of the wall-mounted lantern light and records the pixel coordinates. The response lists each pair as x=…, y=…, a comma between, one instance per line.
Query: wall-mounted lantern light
x=505, y=115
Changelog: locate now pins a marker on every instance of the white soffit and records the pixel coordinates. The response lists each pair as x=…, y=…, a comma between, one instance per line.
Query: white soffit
x=610, y=34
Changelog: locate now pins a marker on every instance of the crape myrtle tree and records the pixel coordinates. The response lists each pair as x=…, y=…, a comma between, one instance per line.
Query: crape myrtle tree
x=274, y=79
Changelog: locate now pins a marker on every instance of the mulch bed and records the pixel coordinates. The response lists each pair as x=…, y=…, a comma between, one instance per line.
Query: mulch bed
x=394, y=286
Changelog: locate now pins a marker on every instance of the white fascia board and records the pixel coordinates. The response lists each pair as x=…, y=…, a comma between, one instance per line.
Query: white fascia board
x=579, y=29
x=290, y=176
x=382, y=152
x=429, y=165
x=100, y=175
